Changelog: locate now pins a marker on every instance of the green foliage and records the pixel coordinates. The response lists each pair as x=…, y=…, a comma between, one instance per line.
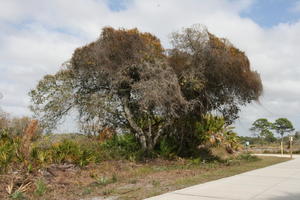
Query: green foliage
x=213, y=131
x=66, y=151
x=282, y=126
x=40, y=187
x=8, y=149
x=123, y=146
x=261, y=127
x=205, y=133
x=210, y=127
x=166, y=148
x=103, y=180
x=18, y=195
x=248, y=157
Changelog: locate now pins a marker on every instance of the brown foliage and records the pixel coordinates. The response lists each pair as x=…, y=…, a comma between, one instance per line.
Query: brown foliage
x=214, y=75
x=27, y=138
x=105, y=134
x=125, y=79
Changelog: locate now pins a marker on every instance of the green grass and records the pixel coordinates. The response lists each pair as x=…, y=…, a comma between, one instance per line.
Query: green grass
x=40, y=187
x=200, y=173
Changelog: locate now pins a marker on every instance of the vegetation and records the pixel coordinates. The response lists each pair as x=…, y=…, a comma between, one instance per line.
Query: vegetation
x=137, y=103
x=127, y=81
x=132, y=180
x=262, y=129
x=282, y=126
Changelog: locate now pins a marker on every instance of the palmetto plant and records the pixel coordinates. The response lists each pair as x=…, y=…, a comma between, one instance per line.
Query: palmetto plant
x=213, y=131
x=8, y=149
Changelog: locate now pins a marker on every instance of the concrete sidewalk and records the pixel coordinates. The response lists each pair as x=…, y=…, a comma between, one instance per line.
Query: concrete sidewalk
x=276, y=182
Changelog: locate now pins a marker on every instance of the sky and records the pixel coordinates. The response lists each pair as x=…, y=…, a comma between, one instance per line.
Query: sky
x=36, y=37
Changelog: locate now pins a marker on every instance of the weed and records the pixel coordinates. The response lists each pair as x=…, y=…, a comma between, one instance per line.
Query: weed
x=248, y=157
x=107, y=192
x=114, y=178
x=156, y=183
x=17, y=195
x=87, y=191
x=103, y=181
x=40, y=187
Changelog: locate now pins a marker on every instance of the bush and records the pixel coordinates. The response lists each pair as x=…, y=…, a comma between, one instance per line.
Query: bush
x=123, y=146
x=202, y=136
x=66, y=151
x=8, y=150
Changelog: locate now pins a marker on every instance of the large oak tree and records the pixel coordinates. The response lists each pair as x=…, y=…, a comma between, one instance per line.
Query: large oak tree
x=127, y=80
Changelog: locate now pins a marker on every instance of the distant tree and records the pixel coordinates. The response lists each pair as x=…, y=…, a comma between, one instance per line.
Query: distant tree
x=4, y=120
x=262, y=129
x=282, y=126
x=18, y=125
x=297, y=135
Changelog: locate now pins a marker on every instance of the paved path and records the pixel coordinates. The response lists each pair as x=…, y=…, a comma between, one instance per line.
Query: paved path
x=276, y=182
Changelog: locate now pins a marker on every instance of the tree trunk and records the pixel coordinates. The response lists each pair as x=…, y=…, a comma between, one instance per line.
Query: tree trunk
x=139, y=133
x=148, y=139
x=281, y=146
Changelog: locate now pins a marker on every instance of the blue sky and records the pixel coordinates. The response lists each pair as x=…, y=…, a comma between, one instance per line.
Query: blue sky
x=118, y=5
x=268, y=13
x=38, y=36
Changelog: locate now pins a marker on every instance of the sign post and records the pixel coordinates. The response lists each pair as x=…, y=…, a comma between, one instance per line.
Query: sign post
x=281, y=148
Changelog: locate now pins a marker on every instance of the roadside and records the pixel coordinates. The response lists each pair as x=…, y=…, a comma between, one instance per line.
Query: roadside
x=280, y=181
x=131, y=180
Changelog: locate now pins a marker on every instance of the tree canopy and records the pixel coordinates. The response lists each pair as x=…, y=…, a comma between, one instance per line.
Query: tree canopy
x=262, y=129
x=127, y=80
x=282, y=126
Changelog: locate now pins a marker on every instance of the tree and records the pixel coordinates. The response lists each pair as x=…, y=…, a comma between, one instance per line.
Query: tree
x=282, y=126
x=215, y=77
x=128, y=81
x=4, y=120
x=261, y=127
x=122, y=78
x=213, y=74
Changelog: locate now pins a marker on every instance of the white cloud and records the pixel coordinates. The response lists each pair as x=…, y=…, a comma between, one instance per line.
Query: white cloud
x=38, y=36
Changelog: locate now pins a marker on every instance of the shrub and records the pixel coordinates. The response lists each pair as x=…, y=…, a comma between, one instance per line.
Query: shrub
x=8, y=149
x=66, y=151
x=202, y=136
x=123, y=146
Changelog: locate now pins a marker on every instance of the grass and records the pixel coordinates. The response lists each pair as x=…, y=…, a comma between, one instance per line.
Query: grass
x=78, y=167
x=197, y=174
x=40, y=187
x=133, y=180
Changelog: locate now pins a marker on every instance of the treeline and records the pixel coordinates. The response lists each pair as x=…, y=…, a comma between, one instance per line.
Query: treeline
x=263, y=130
x=16, y=126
